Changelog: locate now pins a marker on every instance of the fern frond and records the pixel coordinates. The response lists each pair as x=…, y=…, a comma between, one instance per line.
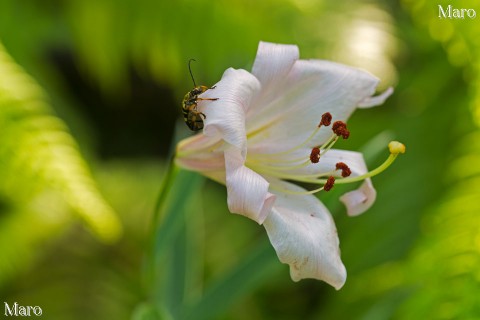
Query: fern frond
x=24, y=229
x=445, y=264
x=37, y=152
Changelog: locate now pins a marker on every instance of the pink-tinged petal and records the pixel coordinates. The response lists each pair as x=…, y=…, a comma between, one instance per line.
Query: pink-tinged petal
x=202, y=161
x=247, y=190
x=201, y=153
x=311, y=88
x=304, y=236
x=225, y=117
x=273, y=62
x=360, y=200
x=196, y=144
x=376, y=100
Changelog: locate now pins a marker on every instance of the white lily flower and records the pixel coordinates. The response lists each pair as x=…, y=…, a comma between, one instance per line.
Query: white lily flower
x=264, y=129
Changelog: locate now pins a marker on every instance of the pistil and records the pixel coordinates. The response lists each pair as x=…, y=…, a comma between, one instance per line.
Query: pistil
x=395, y=149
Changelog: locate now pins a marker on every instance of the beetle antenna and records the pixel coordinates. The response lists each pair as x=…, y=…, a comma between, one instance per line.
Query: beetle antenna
x=190, y=69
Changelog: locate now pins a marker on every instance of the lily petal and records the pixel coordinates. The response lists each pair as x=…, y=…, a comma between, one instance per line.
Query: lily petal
x=195, y=144
x=360, y=200
x=202, y=161
x=271, y=67
x=376, y=100
x=201, y=153
x=273, y=62
x=311, y=88
x=225, y=117
x=247, y=190
x=304, y=236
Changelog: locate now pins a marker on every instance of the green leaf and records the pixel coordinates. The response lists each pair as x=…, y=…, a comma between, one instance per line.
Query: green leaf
x=172, y=255
x=242, y=279
x=146, y=311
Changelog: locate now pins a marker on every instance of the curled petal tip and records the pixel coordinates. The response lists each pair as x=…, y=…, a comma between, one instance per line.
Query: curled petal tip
x=376, y=100
x=360, y=200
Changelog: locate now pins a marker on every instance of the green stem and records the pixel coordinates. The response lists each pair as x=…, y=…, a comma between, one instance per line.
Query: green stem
x=148, y=271
x=172, y=171
x=173, y=205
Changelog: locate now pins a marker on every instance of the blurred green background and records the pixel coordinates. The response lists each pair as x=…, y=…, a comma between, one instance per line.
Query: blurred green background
x=90, y=95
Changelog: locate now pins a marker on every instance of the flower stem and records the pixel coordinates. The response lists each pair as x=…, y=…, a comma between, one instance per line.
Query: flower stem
x=172, y=171
x=168, y=220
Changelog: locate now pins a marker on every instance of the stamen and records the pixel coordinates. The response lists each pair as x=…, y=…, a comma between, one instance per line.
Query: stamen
x=287, y=191
x=328, y=145
x=338, y=124
x=327, y=187
x=345, y=169
x=340, y=129
x=315, y=155
x=326, y=119
x=329, y=184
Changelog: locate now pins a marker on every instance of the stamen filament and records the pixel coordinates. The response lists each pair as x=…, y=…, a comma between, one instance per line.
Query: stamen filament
x=296, y=192
x=328, y=145
x=294, y=177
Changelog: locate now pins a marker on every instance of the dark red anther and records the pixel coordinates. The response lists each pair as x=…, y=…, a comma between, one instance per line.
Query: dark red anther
x=345, y=169
x=315, y=155
x=326, y=119
x=329, y=185
x=340, y=129
x=337, y=124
